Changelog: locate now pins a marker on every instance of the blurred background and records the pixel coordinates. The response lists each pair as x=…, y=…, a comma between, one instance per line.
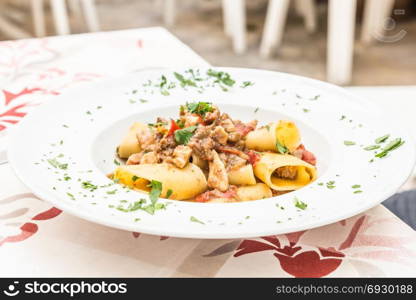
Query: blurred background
x=373, y=42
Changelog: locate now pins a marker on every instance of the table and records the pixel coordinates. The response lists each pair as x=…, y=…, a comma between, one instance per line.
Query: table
x=39, y=240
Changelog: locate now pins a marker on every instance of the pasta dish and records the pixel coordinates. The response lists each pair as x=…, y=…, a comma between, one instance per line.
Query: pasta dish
x=206, y=156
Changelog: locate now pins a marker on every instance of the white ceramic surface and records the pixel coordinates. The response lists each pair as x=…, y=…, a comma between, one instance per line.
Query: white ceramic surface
x=83, y=127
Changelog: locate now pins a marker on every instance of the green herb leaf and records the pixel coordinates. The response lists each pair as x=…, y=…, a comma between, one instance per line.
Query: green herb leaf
x=356, y=186
x=193, y=219
x=169, y=193
x=382, y=139
x=184, y=82
x=371, y=147
x=396, y=143
x=156, y=190
x=246, y=84
x=281, y=148
x=200, y=108
x=89, y=186
x=56, y=164
x=182, y=136
x=134, y=178
x=299, y=204
x=116, y=162
x=221, y=77
x=349, y=143
x=71, y=196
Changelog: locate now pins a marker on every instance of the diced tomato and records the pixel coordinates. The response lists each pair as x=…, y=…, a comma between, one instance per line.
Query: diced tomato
x=204, y=197
x=173, y=127
x=253, y=157
x=209, y=195
x=309, y=157
x=244, y=129
x=305, y=155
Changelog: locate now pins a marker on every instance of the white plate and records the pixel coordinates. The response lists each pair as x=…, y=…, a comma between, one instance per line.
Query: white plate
x=91, y=121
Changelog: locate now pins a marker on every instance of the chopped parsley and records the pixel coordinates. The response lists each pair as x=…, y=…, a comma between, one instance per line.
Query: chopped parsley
x=349, y=143
x=306, y=110
x=382, y=139
x=156, y=190
x=315, y=97
x=184, y=82
x=256, y=110
x=116, y=162
x=396, y=143
x=222, y=78
x=182, y=136
x=330, y=184
x=193, y=219
x=300, y=204
x=71, y=196
x=200, y=108
x=169, y=193
x=357, y=191
x=246, y=84
x=111, y=192
x=56, y=164
x=371, y=147
x=356, y=186
x=134, y=178
x=89, y=186
x=281, y=148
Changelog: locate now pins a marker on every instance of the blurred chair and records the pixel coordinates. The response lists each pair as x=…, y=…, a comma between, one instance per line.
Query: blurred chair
x=60, y=17
x=341, y=26
x=276, y=18
x=60, y=14
x=234, y=18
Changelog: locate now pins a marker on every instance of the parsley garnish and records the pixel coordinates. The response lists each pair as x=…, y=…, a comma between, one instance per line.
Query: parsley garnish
x=221, y=78
x=89, y=186
x=182, y=136
x=246, y=84
x=184, y=82
x=349, y=143
x=356, y=186
x=116, y=162
x=200, y=108
x=56, y=164
x=156, y=190
x=382, y=139
x=330, y=184
x=134, y=178
x=193, y=219
x=169, y=193
x=371, y=147
x=299, y=204
x=281, y=148
x=71, y=196
x=396, y=143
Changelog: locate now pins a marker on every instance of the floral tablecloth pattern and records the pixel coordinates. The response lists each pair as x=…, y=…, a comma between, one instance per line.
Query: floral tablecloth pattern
x=37, y=239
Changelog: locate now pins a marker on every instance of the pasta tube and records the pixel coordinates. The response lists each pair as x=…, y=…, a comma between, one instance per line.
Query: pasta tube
x=184, y=183
x=284, y=172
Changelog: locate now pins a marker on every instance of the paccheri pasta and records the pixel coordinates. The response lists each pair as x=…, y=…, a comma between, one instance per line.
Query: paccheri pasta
x=206, y=156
